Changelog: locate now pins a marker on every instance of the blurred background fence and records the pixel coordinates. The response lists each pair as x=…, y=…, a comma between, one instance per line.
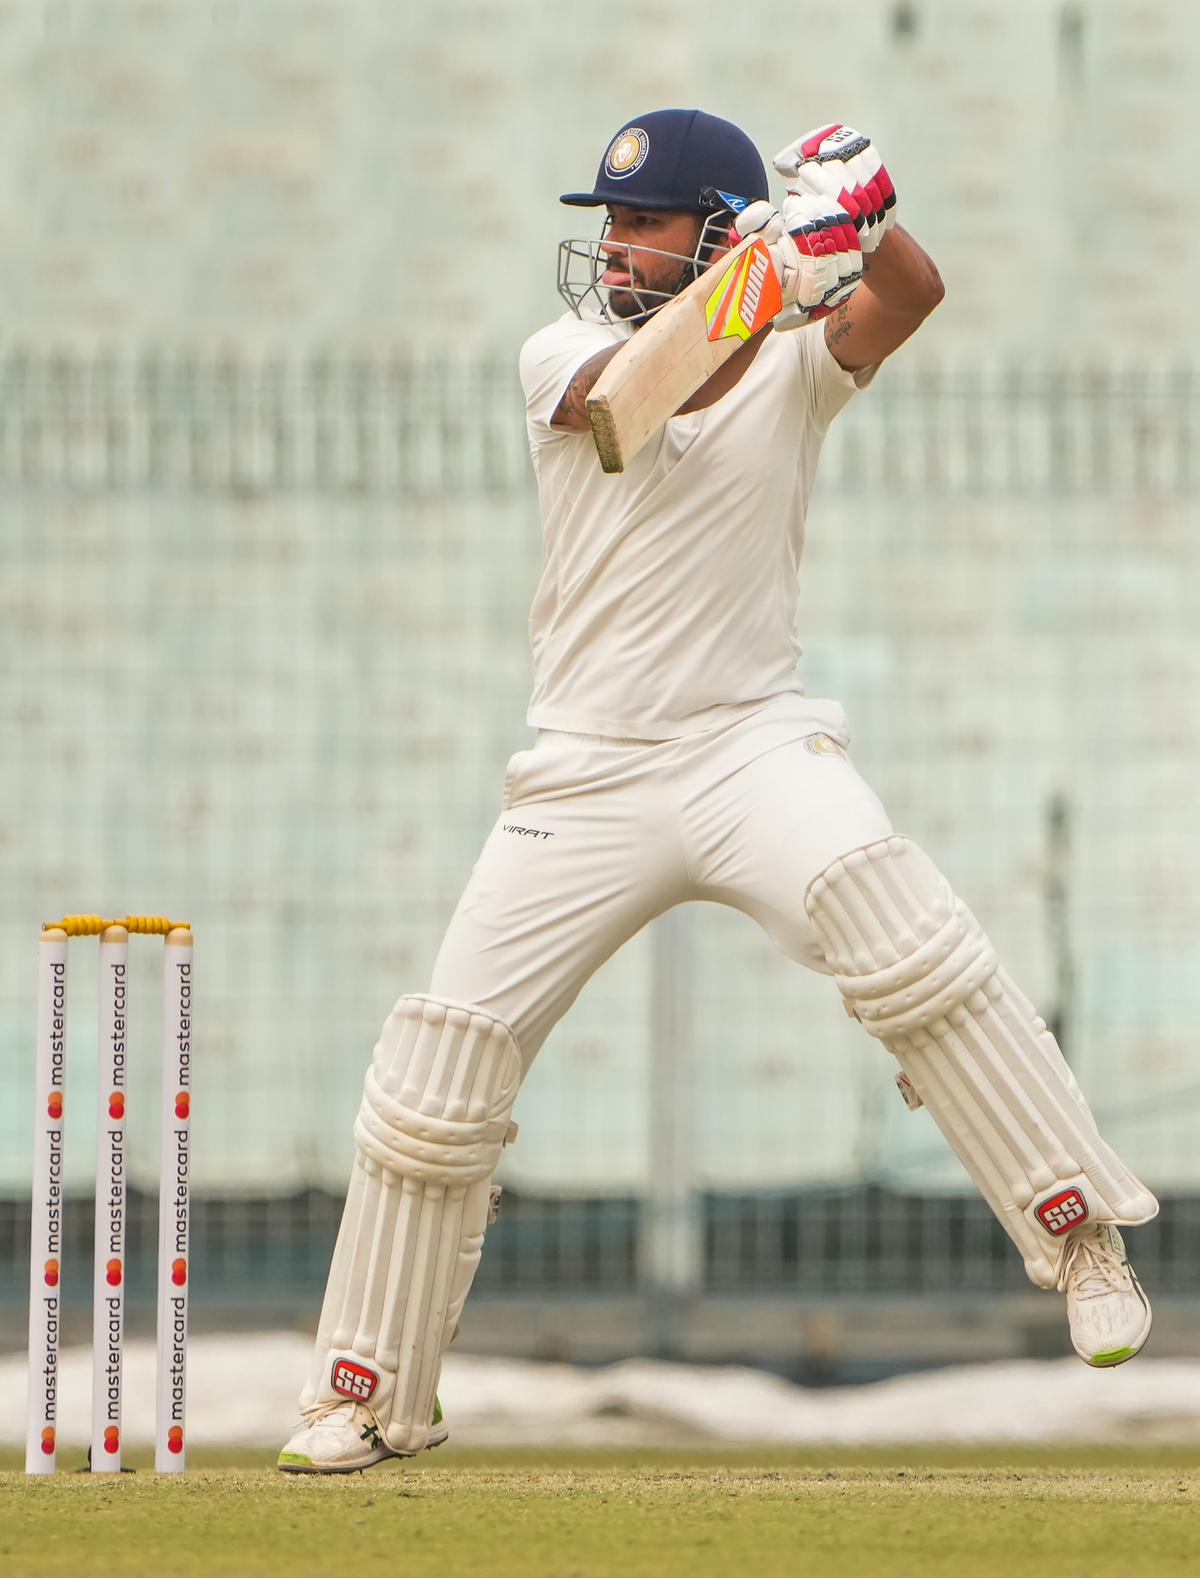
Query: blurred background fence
x=267, y=544
x=413, y=427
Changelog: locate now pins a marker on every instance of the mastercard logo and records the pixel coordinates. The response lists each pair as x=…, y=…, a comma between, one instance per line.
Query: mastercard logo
x=175, y=1439
x=51, y=1273
x=54, y=1106
x=112, y=1438
x=179, y=1272
x=48, y=1440
x=116, y=1105
x=183, y=1104
x=112, y=1273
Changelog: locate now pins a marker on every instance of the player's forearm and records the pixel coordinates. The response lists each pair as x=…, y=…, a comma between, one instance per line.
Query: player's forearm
x=571, y=410
x=902, y=276
x=900, y=289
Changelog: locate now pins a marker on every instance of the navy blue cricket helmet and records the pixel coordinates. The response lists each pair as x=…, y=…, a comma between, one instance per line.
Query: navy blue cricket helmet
x=681, y=160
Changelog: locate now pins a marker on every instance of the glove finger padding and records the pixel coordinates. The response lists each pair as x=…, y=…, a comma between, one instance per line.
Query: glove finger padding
x=820, y=260
x=841, y=165
x=873, y=195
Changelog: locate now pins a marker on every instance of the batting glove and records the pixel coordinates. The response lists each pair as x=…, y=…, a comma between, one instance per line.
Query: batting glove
x=843, y=166
x=815, y=249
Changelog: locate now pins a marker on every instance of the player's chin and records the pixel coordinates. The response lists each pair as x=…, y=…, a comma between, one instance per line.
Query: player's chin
x=623, y=303
x=630, y=306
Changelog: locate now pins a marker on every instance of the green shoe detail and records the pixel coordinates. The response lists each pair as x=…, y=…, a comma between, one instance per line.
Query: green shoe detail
x=1112, y=1356
x=437, y=1411
x=298, y=1458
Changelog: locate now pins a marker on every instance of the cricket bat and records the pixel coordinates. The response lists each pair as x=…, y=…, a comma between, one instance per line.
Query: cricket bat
x=680, y=348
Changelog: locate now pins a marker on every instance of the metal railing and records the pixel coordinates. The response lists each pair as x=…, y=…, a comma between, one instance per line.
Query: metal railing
x=860, y=1239
x=420, y=426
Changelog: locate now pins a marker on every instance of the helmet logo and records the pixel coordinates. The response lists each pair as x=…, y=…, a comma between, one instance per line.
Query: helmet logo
x=627, y=153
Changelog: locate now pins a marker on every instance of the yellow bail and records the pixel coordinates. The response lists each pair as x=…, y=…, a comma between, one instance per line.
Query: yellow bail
x=94, y=925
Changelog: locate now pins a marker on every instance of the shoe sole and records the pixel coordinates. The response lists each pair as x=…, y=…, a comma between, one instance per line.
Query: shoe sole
x=296, y=1464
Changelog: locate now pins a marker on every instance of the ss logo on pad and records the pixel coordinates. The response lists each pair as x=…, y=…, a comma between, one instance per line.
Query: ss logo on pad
x=353, y=1380
x=1062, y=1211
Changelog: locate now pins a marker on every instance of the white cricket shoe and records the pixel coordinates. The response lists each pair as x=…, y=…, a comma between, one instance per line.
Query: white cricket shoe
x=1109, y=1315
x=342, y=1438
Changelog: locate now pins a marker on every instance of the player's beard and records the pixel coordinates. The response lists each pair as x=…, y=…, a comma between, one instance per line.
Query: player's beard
x=632, y=306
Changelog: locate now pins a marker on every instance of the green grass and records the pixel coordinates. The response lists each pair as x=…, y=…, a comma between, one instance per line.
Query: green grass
x=664, y=1514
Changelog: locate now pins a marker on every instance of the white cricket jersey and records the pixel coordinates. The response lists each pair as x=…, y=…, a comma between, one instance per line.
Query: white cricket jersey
x=668, y=599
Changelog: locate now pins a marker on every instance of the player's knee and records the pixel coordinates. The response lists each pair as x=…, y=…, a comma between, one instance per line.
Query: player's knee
x=438, y=1096
x=904, y=950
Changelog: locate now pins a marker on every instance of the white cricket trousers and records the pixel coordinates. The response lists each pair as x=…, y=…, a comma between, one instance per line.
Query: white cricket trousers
x=597, y=836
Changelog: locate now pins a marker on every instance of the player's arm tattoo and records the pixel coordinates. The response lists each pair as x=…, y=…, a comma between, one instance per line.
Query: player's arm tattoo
x=899, y=292
x=571, y=410
x=838, y=325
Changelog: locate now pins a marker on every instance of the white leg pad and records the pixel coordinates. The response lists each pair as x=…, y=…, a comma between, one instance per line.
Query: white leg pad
x=434, y=1118
x=914, y=965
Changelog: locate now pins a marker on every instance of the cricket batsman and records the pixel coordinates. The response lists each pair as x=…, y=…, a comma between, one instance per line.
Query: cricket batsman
x=677, y=757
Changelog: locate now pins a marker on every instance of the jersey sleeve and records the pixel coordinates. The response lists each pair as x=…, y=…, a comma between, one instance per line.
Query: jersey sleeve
x=551, y=358
x=827, y=384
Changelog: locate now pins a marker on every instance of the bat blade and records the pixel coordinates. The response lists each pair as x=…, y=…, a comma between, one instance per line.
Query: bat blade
x=679, y=349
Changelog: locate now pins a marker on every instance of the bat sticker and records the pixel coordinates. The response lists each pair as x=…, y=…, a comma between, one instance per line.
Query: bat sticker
x=746, y=297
